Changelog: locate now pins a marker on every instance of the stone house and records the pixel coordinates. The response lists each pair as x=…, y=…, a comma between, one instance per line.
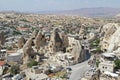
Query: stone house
x=2, y=66
x=36, y=73
x=106, y=66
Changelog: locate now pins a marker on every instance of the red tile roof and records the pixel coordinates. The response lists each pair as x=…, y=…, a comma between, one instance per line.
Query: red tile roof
x=2, y=63
x=10, y=51
x=21, y=29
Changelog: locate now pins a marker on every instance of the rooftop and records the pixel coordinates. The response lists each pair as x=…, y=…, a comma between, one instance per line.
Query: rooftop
x=2, y=63
x=111, y=74
x=15, y=54
x=108, y=63
x=108, y=54
x=10, y=51
x=22, y=29
x=36, y=76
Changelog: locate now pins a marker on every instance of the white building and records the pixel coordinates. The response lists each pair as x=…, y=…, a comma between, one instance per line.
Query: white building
x=106, y=66
x=2, y=67
x=33, y=74
x=14, y=57
x=2, y=53
x=17, y=77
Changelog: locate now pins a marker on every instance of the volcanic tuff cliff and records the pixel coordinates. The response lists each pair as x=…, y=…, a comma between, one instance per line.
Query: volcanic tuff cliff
x=111, y=38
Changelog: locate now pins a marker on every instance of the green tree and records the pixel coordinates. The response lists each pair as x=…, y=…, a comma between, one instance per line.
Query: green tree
x=117, y=63
x=5, y=70
x=15, y=69
x=97, y=63
x=17, y=33
x=32, y=63
x=9, y=48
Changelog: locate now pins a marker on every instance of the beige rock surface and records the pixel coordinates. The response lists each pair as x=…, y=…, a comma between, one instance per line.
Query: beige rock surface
x=2, y=37
x=111, y=39
x=27, y=50
x=76, y=50
x=21, y=42
x=58, y=41
x=39, y=41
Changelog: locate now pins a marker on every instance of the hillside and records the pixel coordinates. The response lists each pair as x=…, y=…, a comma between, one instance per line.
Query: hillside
x=91, y=12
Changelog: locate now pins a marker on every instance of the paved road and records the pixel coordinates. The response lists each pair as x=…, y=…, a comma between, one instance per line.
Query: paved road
x=78, y=70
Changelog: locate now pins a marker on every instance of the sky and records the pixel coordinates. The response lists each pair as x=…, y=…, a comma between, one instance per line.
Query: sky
x=53, y=5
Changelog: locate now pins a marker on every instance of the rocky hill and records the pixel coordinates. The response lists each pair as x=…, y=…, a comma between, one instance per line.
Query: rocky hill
x=91, y=12
x=111, y=40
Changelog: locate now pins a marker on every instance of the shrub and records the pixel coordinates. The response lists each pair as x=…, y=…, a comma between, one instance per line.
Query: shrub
x=9, y=48
x=15, y=69
x=16, y=33
x=117, y=63
x=97, y=63
x=32, y=63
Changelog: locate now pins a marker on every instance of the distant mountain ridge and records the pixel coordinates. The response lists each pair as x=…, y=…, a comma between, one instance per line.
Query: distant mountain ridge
x=88, y=12
x=92, y=12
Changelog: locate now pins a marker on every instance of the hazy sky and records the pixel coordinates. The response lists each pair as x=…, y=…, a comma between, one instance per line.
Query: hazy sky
x=45, y=5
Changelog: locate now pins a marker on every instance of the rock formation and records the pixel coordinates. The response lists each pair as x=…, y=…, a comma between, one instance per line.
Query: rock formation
x=27, y=50
x=21, y=42
x=76, y=50
x=92, y=36
x=2, y=38
x=111, y=39
x=82, y=32
x=39, y=41
x=65, y=41
x=61, y=42
x=28, y=43
x=0, y=46
x=58, y=41
x=34, y=34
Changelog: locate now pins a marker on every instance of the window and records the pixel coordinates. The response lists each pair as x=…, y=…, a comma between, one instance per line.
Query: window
x=103, y=67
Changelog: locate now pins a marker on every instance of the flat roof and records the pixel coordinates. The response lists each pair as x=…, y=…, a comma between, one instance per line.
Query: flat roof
x=36, y=76
x=14, y=54
x=111, y=74
x=2, y=50
x=108, y=54
x=42, y=76
x=2, y=63
x=107, y=63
